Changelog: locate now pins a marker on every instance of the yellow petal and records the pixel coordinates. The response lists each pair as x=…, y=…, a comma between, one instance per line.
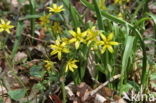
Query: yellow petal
x=8, y=22
x=110, y=49
x=78, y=30
x=65, y=50
x=110, y=36
x=54, y=6
x=113, y=43
x=84, y=34
x=103, y=49
x=51, y=10
x=2, y=21
x=57, y=42
x=59, y=55
x=98, y=43
x=11, y=26
x=8, y=31
x=53, y=52
x=77, y=44
x=72, y=40
x=63, y=44
x=75, y=61
x=53, y=46
x=71, y=69
x=61, y=6
x=103, y=37
x=46, y=61
x=47, y=8
x=66, y=69
x=72, y=33
x=74, y=66
x=1, y=30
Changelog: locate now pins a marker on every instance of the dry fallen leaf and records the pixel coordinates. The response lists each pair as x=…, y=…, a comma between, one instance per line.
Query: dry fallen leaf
x=152, y=7
x=20, y=56
x=99, y=99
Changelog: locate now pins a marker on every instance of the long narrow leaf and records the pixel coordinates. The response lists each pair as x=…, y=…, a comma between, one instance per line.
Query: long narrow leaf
x=127, y=53
x=99, y=16
x=18, y=38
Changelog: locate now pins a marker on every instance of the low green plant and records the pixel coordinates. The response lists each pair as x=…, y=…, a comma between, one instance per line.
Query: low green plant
x=113, y=39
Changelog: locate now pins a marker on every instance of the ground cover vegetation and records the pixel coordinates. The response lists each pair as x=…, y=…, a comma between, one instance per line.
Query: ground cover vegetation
x=77, y=51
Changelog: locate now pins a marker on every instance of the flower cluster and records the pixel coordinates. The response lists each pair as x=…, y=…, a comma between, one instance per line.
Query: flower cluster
x=91, y=37
x=45, y=20
x=5, y=26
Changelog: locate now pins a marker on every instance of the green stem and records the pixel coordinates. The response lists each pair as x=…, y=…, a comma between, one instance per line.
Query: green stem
x=155, y=39
x=63, y=91
x=32, y=12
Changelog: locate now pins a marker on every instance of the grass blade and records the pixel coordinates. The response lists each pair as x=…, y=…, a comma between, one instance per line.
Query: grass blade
x=99, y=16
x=127, y=53
x=19, y=31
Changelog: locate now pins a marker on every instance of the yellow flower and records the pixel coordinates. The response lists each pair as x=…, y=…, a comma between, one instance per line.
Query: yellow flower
x=49, y=64
x=120, y=16
x=57, y=27
x=55, y=8
x=71, y=65
x=92, y=34
x=59, y=48
x=120, y=1
x=101, y=4
x=65, y=40
x=107, y=43
x=44, y=20
x=78, y=37
x=5, y=26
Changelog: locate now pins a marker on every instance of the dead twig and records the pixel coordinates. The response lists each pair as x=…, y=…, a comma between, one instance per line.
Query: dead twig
x=104, y=84
x=43, y=41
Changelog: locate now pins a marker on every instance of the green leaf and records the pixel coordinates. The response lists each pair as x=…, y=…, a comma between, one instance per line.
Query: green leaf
x=100, y=68
x=135, y=85
x=21, y=1
x=74, y=17
x=99, y=16
x=17, y=94
x=152, y=16
x=37, y=71
x=126, y=87
x=1, y=100
x=19, y=31
x=66, y=3
x=87, y=4
x=29, y=17
x=142, y=20
x=39, y=86
x=32, y=3
x=53, y=76
x=153, y=85
x=127, y=53
x=153, y=76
